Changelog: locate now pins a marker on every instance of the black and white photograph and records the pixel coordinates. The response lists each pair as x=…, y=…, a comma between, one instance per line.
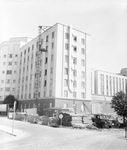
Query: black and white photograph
x=63, y=74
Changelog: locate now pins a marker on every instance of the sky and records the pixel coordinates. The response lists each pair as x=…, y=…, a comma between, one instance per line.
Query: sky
x=104, y=20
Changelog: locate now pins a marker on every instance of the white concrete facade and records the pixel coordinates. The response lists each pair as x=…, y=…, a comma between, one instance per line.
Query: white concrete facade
x=63, y=66
x=9, y=52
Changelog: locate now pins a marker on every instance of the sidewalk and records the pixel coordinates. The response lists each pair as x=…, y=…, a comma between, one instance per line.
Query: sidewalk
x=7, y=135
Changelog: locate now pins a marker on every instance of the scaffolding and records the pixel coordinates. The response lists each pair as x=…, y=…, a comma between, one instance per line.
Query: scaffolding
x=38, y=64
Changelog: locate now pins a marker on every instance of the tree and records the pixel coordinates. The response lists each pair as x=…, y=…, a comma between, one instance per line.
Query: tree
x=10, y=101
x=119, y=103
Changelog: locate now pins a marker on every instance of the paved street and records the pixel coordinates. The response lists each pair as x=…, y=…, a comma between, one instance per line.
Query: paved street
x=39, y=137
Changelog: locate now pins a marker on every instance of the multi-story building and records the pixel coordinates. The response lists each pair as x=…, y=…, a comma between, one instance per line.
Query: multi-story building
x=63, y=70
x=9, y=52
x=104, y=85
x=64, y=76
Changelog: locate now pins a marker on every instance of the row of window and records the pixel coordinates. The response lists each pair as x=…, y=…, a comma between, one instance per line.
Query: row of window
x=74, y=72
x=7, y=89
x=8, y=81
x=75, y=60
x=10, y=63
x=74, y=94
x=37, y=44
x=75, y=48
x=10, y=55
x=74, y=84
x=112, y=85
x=35, y=95
x=75, y=38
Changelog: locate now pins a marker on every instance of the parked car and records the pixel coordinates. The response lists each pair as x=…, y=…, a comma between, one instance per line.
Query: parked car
x=102, y=121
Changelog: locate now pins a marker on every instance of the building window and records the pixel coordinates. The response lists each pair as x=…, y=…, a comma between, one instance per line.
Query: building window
x=46, y=60
x=28, y=49
x=66, y=71
x=75, y=38
x=83, y=51
x=66, y=58
x=7, y=89
x=33, y=47
x=13, y=89
x=83, y=85
x=74, y=72
x=82, y=74
x=74, y=94
x=51, y=70
x=1, y=89
x=16, y=55
x=113, y=85
x=47, y=38
x=75, y=60
x=9, y=71
x=14, y=81
x=119, y=84
x=65, y=93
x=4, y=56
x=126, y=85
x=10, y=55
x=82, y=62
x=74, y=84
x=16, y=62
x=14, y=71
x=10, y=63
x=29, y=95
x=44, y=93
x=102, y=83
x=107, y=83
x=46, y=48
x=83, y=41
x=53, y=34
x=65, y=82
x=36, y=44
x=41, y=41
x=74, y=48
x=24, y=52
x=52, y=45
x=45, y=83
x=4, y=63
x=67, y=35
x=66, y=46
x=8, y=81
x=50, y=93
x=3, y=72
x=123, y=85
x=2, y=81
x=83, y=95
x=110, y=85
x=45, y=72
x=51, y=57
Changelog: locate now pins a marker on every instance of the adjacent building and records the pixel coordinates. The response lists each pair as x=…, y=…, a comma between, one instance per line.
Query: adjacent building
x=9, y=56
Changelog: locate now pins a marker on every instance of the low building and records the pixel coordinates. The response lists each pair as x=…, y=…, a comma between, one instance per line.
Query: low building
x=104, y=86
